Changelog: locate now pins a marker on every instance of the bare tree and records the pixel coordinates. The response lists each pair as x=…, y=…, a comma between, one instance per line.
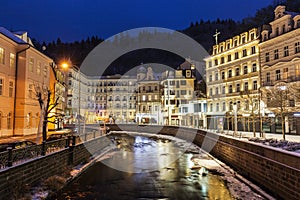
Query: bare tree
x=46, y=105
x=281, y=99
x=251, y=107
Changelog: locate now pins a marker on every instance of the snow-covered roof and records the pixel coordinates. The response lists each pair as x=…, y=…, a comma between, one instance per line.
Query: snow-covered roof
x=11, y=36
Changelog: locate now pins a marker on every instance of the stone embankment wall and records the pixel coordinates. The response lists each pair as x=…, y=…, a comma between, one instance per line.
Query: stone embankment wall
x=275, y=170
x=15, y=179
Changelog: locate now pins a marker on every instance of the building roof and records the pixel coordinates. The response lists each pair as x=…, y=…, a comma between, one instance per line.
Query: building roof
x=11, y=36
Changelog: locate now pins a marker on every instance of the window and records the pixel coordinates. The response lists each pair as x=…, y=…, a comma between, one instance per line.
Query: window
x=216, y=76
x=278, y=76
x=285, y=73
x=230, y=89
x=224, y=106
x=38, y=68
x=237, y=71
x=229, y=73
x=283, y=28
x=245, y=69
x=210, y=92
x=211, y=107
x=10, y=89
x=216, y=62
x=2, y=56
x=297, y=47
x=253, y=50
x=210, y=78
x=243, y=40
x=238, y=87
x=221, y=48
x=9, y=121
x=286, y=51
x=246, y=86
x=1, y=86
x=222, y=60
x=182, y=82
x=254, y=67
x=183, y=92
x=12, y=61
x=223, y=75
x=254, y=85
x=217, y=91
x=276, y=55
x=217, y=107
x=268, y=77
x=228, y=46
x=229, y=58
x=223, y=89
x=30, y=65
x=236, y=55
x=235, y=43
x=252, y=36
x=277, y=31
x=267, y=57
x=244, y=52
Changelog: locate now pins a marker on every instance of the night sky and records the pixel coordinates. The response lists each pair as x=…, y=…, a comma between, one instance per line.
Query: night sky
x=71, y=20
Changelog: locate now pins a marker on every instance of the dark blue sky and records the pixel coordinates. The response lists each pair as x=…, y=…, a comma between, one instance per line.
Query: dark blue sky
x=46, y=20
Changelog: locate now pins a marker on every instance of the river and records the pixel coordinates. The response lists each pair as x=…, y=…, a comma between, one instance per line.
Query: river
x=147, y=168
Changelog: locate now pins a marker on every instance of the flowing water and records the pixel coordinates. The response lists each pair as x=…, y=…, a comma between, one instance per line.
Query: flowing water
x=146, y=168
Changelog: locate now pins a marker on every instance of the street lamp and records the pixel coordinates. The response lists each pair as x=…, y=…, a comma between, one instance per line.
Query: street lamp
x=65, y=65
x=234, y=107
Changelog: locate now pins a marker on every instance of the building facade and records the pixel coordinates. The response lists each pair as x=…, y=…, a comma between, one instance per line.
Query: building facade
x=280, y=62
x=232, y=77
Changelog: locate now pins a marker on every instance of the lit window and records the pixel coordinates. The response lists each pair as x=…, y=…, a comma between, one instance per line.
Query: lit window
x=2, y=56
x=12, y=61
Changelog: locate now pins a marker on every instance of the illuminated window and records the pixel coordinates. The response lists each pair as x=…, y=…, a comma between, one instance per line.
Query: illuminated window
x=12, y=58
x=2, y=56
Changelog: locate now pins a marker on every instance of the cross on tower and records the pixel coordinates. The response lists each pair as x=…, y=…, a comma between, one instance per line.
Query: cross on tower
x=216, y=36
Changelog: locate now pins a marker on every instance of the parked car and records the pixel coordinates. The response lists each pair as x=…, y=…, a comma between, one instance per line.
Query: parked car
x=16, y=145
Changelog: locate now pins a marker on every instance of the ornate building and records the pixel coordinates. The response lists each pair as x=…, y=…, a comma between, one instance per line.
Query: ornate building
x=148, y=99
x=280, y=63
x=232, y=77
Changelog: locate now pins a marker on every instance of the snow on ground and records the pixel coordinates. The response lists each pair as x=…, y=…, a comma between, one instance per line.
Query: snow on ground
x=239, y=187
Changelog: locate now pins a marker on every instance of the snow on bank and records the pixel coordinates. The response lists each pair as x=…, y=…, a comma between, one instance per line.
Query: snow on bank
x=239, y=187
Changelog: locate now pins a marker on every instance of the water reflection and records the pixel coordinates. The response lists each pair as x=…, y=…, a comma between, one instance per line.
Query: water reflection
x=182, y=179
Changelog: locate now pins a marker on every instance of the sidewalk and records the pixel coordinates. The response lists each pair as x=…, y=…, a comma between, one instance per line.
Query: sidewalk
x=241, y=134
x=33, y=137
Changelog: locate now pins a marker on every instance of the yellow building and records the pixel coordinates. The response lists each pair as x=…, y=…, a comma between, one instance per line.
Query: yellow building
x=232, y=77
x=23, y=70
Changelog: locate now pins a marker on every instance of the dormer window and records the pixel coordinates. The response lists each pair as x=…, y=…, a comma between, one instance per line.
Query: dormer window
x=228, y=46
x=243, y=40
x=252, y=36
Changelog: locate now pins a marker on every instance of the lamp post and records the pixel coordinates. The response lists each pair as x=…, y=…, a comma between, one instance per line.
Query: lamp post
x=234, y=107
x=66, y=65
